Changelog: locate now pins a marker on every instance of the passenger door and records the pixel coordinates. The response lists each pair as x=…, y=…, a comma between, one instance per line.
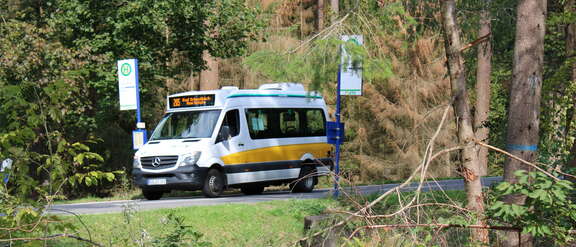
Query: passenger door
x=230, y=146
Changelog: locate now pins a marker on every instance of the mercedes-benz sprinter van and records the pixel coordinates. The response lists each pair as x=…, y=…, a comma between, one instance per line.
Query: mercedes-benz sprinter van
x=232, y=138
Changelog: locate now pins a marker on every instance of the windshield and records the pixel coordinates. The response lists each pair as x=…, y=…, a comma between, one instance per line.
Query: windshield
x=190, y=124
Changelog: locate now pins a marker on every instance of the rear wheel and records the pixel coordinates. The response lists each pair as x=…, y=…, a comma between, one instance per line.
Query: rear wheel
x=305, y=182
x=252, y=189
x=214, y=183
x=152, y=195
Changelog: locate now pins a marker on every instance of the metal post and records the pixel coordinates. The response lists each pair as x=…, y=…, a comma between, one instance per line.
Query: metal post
x=138, y=119
x=337, y=154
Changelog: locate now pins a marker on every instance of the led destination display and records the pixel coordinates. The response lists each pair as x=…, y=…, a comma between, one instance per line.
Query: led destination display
x=191, y=101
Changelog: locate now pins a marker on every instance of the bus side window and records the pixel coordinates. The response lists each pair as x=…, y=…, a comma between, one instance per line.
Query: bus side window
x=315, y=122
x=259, y=123
x=289, y=123
x=232, y=120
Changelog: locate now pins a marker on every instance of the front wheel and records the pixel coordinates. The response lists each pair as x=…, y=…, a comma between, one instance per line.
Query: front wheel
x=152, y=195
x=214, y=183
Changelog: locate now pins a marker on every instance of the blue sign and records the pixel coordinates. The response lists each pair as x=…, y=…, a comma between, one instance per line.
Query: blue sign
x=335, y=133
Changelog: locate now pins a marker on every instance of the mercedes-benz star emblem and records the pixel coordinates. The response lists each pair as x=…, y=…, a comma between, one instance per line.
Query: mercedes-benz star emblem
x=156, y=162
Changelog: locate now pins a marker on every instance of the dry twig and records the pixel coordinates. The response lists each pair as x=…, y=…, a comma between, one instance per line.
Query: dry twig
x=50, y=237
x=517, y=158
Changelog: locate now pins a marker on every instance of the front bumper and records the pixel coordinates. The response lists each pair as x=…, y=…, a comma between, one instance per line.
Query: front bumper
x=183, y=178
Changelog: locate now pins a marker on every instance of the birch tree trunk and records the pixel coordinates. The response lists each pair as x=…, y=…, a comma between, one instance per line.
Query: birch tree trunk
x=469, y=155
x=524, y=111
x=483, y=73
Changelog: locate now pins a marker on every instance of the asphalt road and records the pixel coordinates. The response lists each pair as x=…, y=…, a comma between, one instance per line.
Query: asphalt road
x=118, y=206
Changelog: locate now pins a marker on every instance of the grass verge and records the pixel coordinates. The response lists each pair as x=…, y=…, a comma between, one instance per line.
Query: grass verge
x=275, y=223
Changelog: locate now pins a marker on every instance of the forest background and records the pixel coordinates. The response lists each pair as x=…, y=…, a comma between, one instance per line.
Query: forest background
x=59, y=115
x=59, y=84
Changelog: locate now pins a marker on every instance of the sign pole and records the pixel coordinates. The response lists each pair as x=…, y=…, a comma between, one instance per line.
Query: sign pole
x=129, y=95
x=338, y=135
x=138, y=118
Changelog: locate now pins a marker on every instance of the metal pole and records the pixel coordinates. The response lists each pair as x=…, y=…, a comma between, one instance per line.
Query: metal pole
x=138, y=119
x=337, y=154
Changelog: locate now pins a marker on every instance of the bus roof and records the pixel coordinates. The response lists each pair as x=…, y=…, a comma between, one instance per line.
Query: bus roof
x=270, y=95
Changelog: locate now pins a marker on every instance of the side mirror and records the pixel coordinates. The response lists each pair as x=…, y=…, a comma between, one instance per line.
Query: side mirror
x=224, y=133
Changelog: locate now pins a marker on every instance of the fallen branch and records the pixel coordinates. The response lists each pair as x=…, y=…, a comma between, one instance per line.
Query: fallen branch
x=328, y=29
x=421, y=168
x=441, y=226
x=402, y=209
x=475, y=42
x=50, y=237
x=516, y=158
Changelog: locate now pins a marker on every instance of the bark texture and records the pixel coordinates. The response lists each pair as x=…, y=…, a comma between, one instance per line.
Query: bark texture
x=469, y=155
x=483, y=73
x=193, y=82
x=524, y=111
x=335, y=7
x=571, y=54
x=209, y=77
x=320, y=15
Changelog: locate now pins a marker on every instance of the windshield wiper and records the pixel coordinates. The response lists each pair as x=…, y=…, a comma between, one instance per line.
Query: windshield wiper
x=187, y=137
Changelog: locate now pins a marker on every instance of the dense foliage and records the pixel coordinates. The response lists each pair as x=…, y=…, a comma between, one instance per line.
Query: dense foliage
x=549, y=211
x=60, y=122
x=59, y=116
x=58, y=74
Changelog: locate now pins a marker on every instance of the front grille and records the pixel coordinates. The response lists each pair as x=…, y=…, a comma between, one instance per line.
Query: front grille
x=158, y=162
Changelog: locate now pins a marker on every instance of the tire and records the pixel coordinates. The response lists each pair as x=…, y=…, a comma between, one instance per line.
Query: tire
x=305, y=182
x=152, y=195
x=213, y=184
x=252, y=189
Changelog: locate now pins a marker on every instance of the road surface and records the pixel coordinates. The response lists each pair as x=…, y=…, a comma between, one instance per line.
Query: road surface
x=141, y=204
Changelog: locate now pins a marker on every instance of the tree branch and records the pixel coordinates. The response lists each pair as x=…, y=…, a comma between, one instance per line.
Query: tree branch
x=516, y=158
x=441, y=226
x=55, y=236
x=475, y=42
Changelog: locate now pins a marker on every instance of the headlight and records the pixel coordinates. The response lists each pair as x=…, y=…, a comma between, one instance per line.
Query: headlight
x=190, y=159
x=136, y=162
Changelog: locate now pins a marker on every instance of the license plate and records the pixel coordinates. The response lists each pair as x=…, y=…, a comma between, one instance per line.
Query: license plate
x=157, y=181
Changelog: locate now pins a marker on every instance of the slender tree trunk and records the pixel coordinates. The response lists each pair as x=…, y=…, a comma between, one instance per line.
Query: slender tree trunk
x=524, y=111
x=193, y=82
x=570, y=7
x=571, y=38
x=320, y=15
x=483, y=73
x=209, y=77
x=469, y=155
x=335, y=7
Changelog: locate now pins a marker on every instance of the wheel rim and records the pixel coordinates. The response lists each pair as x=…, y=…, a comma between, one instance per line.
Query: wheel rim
x=214, y=184
x=309, y=182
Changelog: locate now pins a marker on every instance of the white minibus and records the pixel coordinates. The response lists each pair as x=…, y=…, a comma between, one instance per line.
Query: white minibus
x=236, y=138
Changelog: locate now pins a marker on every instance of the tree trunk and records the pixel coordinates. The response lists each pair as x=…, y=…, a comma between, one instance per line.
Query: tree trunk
x=193, y=83
x=209, y=77
x=483, y=73
x=524, y=110
x=469, y=155
x=320, y=15
x=570, y=7
x=334, y=6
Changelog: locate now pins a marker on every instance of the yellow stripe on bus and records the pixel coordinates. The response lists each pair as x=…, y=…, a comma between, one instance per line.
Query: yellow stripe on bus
x=278, y=153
